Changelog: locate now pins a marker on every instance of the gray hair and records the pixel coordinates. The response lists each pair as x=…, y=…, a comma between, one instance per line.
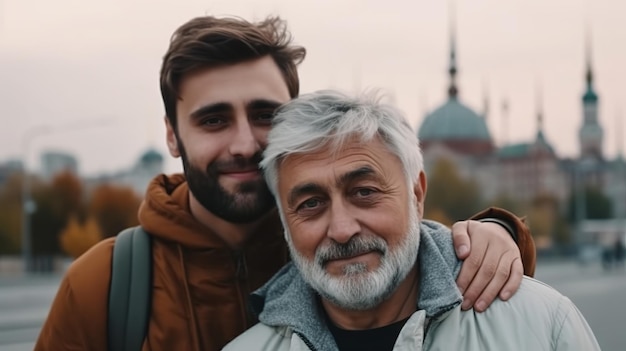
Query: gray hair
x=327, y=117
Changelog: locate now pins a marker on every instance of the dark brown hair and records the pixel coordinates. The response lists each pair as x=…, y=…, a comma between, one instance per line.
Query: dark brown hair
x=209, y=42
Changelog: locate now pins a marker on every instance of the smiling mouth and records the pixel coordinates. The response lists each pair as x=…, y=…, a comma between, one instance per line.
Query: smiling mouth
x=243, y=174
x=351, y=257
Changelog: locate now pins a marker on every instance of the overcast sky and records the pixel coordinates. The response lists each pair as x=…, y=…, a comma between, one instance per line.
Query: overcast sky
x=63, y=61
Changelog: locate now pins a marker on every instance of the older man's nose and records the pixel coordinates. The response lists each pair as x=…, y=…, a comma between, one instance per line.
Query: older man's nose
x=343, y=224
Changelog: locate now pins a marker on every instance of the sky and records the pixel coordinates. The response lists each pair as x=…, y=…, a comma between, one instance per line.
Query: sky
x=81, y=76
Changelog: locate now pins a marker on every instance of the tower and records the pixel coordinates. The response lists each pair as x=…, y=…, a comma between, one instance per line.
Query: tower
x=590, y=134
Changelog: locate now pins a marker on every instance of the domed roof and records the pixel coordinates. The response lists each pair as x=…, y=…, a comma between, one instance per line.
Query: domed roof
x=590, y=95
x=151, y=156
x=453, y=121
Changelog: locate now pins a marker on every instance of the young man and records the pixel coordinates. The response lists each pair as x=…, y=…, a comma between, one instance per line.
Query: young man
x=216, y=235
x=368, y=273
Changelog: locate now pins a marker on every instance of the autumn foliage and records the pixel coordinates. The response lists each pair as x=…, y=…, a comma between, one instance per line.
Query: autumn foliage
x=66, y=218
x=78, y=237
x=110, y=209
x=114, y=208
x=449, y=196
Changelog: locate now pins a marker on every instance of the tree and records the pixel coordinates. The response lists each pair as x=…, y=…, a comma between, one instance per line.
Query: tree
x=456, y=197
x=69, y=191
x=543, y=217
x=436, y=214
x=78, y=237
x=114, y=208
x=55, y=203
x=596, y=204
x=510, y=204
x=11, y=215
x=45, y=222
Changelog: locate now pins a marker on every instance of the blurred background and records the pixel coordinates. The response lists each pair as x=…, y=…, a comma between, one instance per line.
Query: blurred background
x=517, y=104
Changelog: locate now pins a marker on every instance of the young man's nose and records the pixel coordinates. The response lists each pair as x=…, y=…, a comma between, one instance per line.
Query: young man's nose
x=244, y=142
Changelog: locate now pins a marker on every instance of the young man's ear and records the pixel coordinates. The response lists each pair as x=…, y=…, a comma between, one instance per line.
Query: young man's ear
x=420, y=193
x=170, y=137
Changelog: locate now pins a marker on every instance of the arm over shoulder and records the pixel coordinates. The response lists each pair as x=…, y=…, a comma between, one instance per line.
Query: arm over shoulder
x=521, y=233
x=78, y=316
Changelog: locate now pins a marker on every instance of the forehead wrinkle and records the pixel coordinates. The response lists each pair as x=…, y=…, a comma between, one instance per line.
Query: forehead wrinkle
x=361, y=172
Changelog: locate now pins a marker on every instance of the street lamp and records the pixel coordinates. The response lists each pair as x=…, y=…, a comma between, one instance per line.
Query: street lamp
x=28, y=205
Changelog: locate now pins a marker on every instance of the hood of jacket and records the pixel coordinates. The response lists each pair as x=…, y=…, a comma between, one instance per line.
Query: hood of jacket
x=165, y=214
x=287, y=300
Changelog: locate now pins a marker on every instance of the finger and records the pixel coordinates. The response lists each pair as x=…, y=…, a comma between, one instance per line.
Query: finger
x=515, y=279
x=471, y=265
x=484, y=273
x=494, y=287
x=461, y=239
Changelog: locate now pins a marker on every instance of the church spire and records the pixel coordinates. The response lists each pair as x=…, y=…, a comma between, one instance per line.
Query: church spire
x=620, y=132
x=590, y=95
x=539, y=102
x=590, y=134
x=453, y=91
x=485, y=101
x=589, y=73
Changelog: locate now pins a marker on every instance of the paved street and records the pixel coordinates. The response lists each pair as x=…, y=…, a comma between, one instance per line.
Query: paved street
x=600, y=296
x=24, y=305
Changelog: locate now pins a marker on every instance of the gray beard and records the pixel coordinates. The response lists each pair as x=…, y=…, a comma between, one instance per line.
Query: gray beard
x=357, y=289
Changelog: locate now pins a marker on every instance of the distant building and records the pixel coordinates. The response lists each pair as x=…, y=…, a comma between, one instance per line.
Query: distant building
x=137, y=177
x=525, y=171
x=454, y=125
x=55, y=162
x=147, y=167
x=8, y=169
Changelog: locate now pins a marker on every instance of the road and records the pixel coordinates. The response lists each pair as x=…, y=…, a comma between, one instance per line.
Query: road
x=24, y=304
x=599, y=295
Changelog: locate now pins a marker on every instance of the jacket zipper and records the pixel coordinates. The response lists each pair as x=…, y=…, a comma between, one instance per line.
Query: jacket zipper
x=243, y=291
x=306, y=341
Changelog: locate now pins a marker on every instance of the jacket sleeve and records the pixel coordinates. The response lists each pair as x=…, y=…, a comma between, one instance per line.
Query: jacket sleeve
x=522, y=235
x=573, y=333
x=78, y=315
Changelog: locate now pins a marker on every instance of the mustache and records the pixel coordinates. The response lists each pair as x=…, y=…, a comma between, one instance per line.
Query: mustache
x=357, y=245
x=237, y=164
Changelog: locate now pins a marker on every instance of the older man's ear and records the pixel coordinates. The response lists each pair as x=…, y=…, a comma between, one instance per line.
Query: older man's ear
x=420, y=194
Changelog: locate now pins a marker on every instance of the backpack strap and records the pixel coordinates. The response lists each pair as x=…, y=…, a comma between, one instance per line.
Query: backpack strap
x=130, y=293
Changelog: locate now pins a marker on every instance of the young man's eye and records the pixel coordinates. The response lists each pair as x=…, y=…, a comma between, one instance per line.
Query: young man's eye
x=213, y=121
x=265, y=116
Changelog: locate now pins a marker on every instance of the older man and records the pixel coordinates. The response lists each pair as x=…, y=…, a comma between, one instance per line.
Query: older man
x=368, y=273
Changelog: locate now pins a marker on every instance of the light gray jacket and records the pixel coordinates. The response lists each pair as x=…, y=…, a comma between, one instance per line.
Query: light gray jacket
x=537, y=317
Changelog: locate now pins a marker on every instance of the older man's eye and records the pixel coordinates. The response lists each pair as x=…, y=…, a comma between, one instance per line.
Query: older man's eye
x=364, y=191
x=310, y=203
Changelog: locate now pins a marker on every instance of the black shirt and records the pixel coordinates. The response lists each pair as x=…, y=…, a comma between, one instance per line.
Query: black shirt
x=378, y=339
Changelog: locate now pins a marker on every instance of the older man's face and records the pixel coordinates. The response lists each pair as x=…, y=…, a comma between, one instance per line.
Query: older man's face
x=351, y=220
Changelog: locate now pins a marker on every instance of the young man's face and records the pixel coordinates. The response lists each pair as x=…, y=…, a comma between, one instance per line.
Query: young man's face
x=351, y=220
x=223, y=117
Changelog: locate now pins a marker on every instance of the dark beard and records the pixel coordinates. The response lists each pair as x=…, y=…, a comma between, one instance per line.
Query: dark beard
x=250, y=201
